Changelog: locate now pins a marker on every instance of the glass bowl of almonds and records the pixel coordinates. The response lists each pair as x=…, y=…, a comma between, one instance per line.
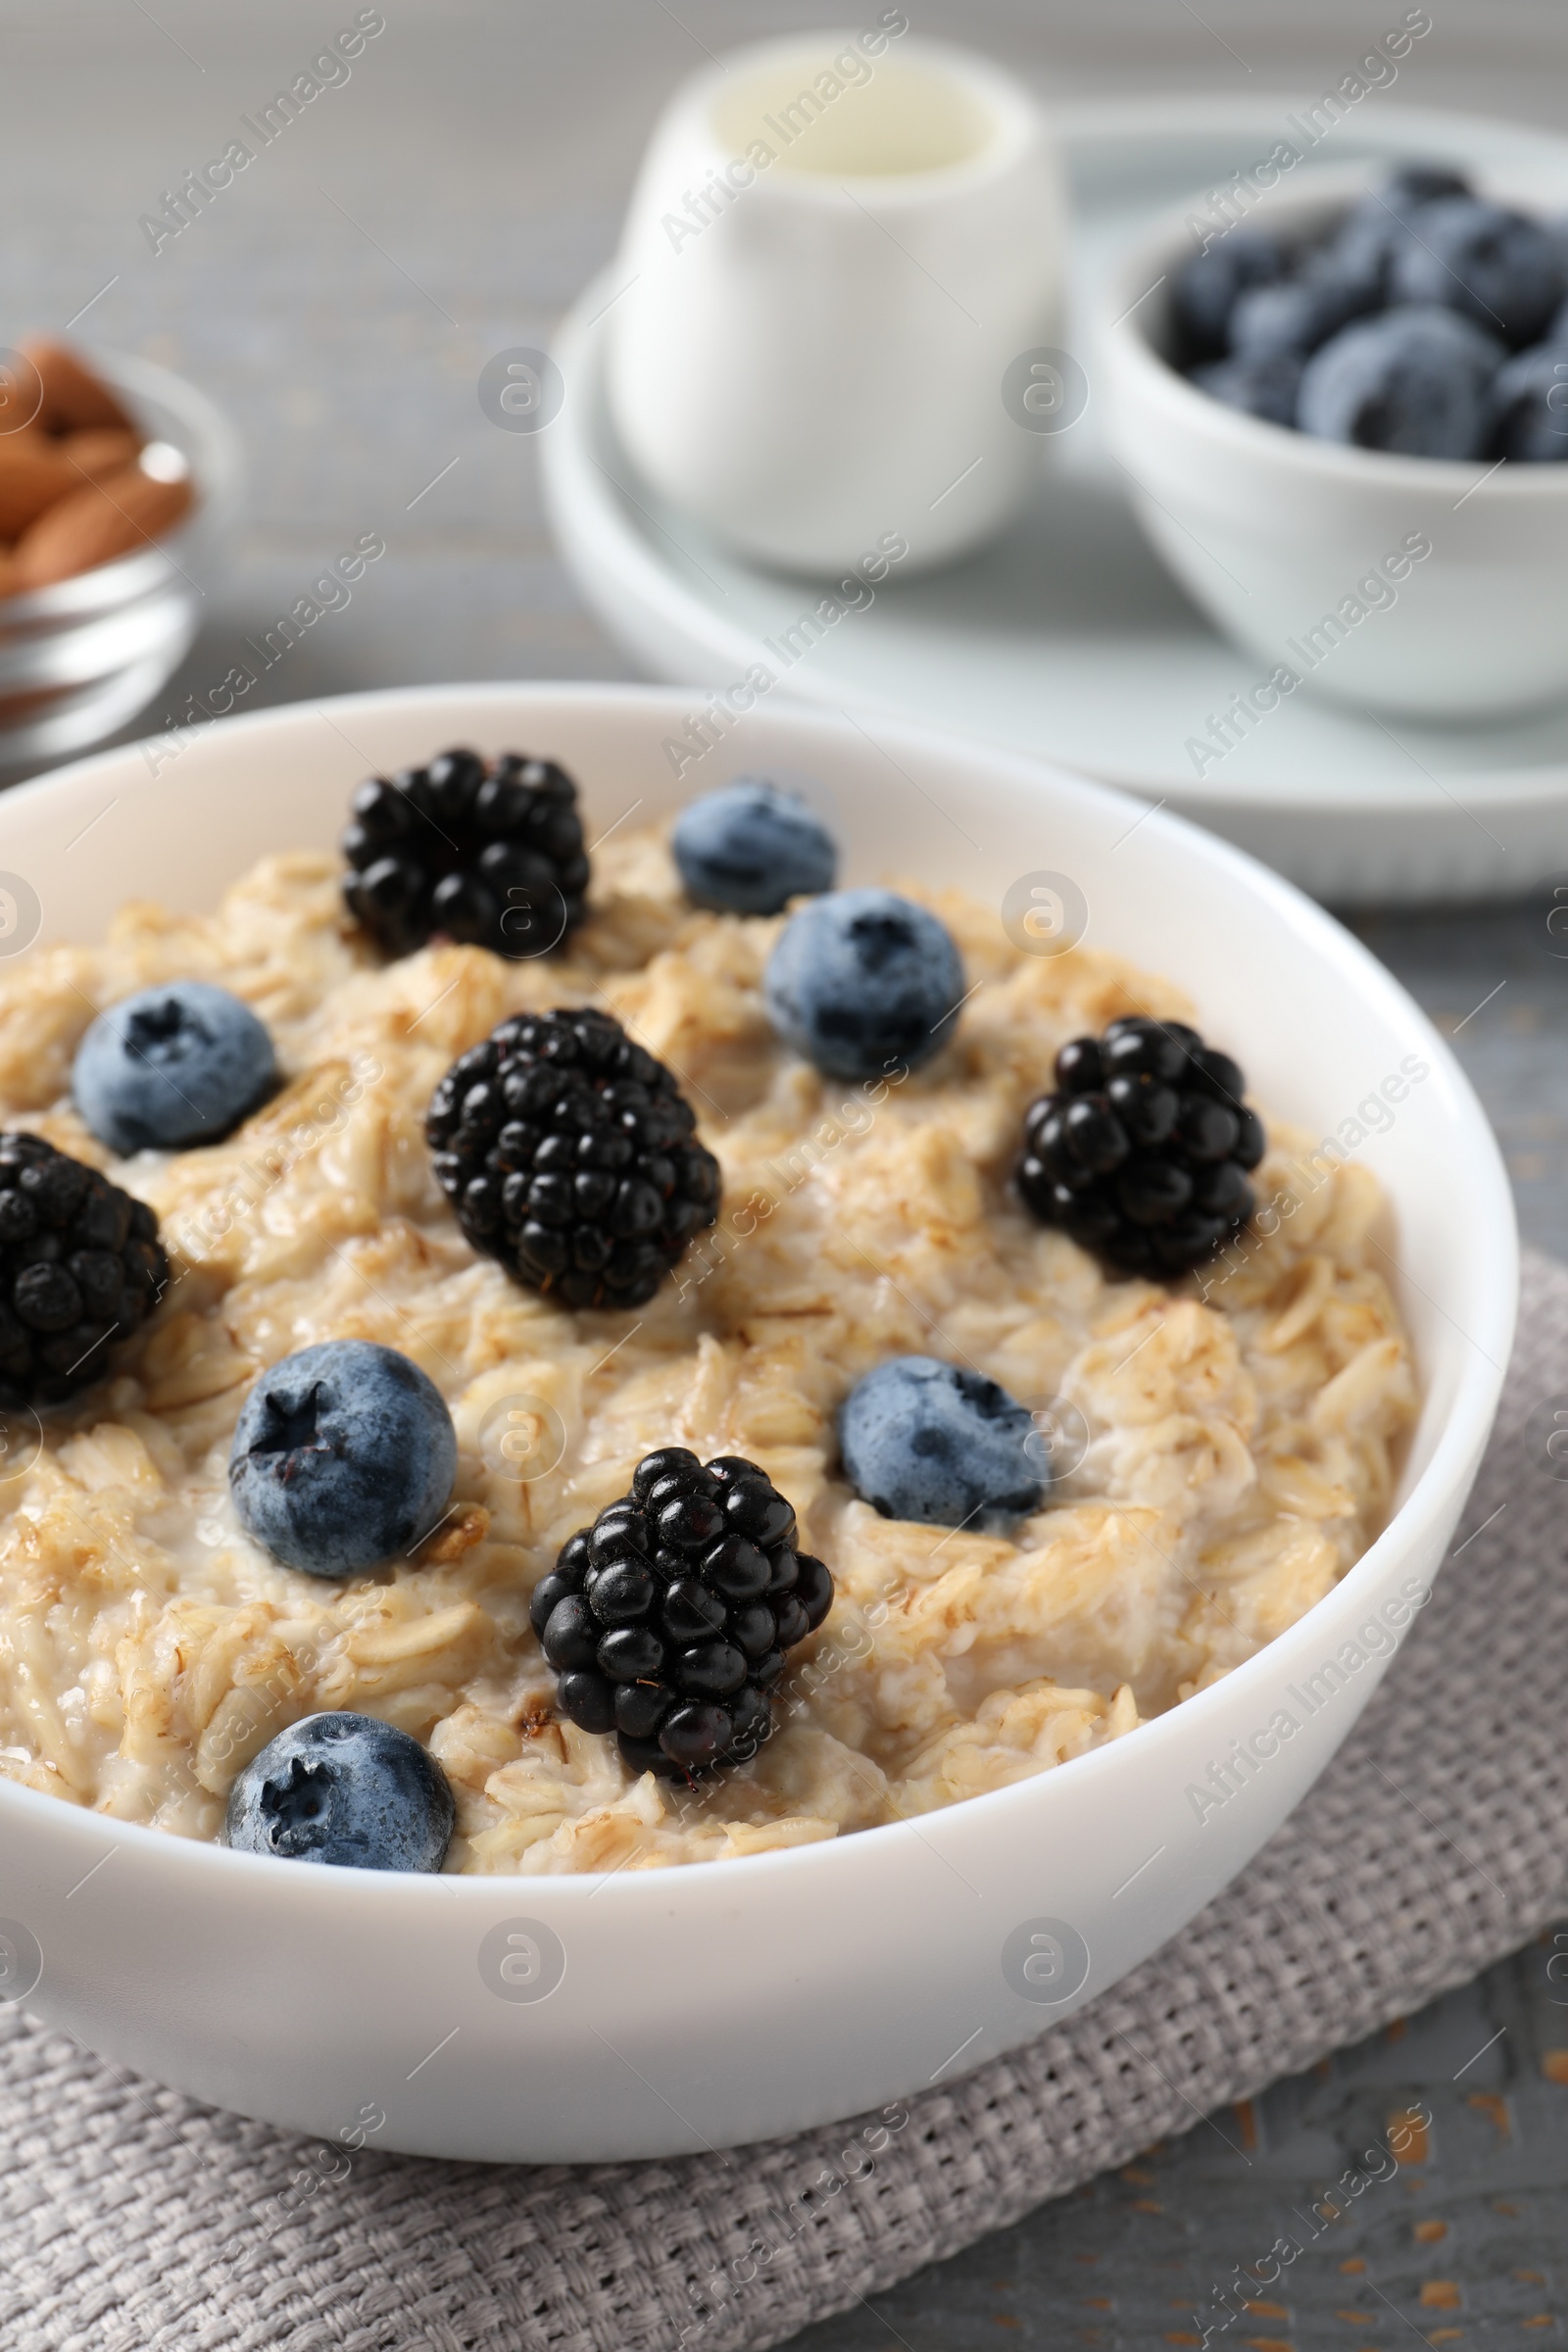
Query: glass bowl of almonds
x=116, y=480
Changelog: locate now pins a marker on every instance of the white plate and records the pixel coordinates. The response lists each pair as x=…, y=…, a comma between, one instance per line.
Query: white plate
x=1067, y=638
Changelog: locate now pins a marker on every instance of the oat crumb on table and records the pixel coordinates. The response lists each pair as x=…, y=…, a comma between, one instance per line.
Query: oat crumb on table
x=1240, y=1458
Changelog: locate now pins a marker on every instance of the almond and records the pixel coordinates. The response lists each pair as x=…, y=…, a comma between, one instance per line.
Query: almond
x=72, y=396
x=96, y=524
x=97, y=450
x=20, y=393
x=33, y=475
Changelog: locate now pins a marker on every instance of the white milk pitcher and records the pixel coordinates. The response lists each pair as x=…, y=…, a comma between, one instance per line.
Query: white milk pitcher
x=837, y=247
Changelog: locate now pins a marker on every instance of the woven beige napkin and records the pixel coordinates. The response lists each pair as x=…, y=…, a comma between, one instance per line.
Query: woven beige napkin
x=136, y=2221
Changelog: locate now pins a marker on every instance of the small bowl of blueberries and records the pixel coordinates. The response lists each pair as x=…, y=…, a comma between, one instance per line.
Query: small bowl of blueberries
x=1345, y=424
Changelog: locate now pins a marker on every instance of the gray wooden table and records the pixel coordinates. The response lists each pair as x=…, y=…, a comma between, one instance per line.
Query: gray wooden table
x=446, y=202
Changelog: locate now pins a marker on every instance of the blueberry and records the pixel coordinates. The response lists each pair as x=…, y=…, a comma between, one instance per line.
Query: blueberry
x=929, y=1441
x=1378, y=227
x=344, y=1455
x=751, y=848
x=1496, y=267
x=1293, y=319
x=862, y=980
x=1530, y=405
x=344, y=1790
x=1260, y=383
x=1207, y=289
x=1416, y=381
x=1416, y=184
x=171, y=1066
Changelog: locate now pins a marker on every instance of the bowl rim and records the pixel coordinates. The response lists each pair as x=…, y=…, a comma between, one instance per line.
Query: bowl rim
x=1123, y=333
x=214, y=456
x=1492, y=1240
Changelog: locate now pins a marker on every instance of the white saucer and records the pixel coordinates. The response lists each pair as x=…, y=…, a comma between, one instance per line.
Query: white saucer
x=1067, y=638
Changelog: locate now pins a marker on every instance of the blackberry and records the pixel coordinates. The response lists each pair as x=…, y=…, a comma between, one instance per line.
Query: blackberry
x=667, y=1620
x=488, y=854
x=569, y=1154
x=80, y=1266
x=1143, y=1154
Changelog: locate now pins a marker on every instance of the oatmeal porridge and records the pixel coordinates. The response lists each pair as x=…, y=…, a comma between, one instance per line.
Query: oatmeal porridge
x=1222, y=1442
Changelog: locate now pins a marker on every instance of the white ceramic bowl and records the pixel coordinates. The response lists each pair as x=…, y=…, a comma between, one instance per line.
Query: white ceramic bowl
x=807, y=353
x=1271, y=530
x=876, y=1962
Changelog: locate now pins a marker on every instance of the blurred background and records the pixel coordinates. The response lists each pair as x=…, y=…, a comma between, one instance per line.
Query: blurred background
x=448, y=201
